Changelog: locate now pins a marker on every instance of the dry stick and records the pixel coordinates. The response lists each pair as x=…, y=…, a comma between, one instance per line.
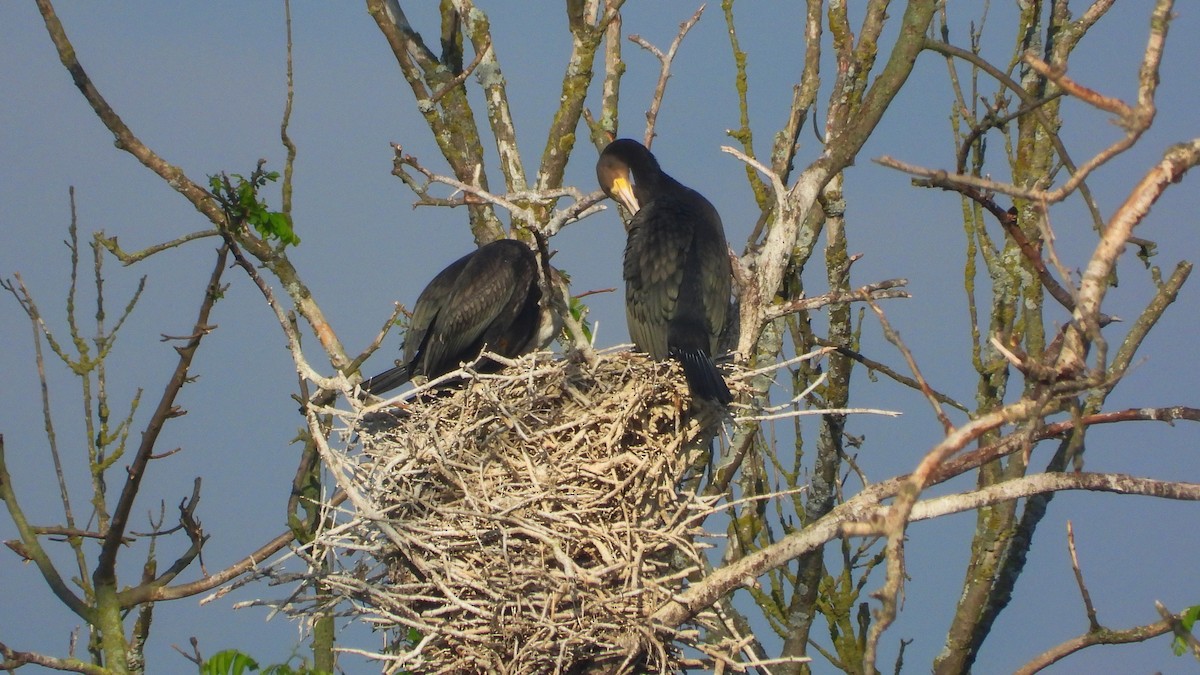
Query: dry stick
x=883, y=290
x=585, y=206
x=989, y=122
x=1048, y=241
x=289, y=328
x=1091, y=638
x=818, y=411
x=244, y=565
x=753, y=301
x=848, y=519
x=1028, y=101
x=581, y=208
x=461, y=77
x=32, y=548
x=1175, y=163
x=664, y=72
x=200, y=199
x=289, y=162
x=126, y=259
x=1135, y=119
x=892, y=374
x=980, y=456
x=1090, y=96
x=1007, y=220
x=1041, y=483
x=777, y=187
x=378, y=341
x=25, y=300
x=68, y=532
x=105, y=567
x=943, y=176
x=15, y=659
x=894, y=337
x=1083, y=591
x=1140, y=327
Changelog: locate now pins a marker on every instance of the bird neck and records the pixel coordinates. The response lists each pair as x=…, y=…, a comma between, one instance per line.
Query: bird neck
x=649, y=184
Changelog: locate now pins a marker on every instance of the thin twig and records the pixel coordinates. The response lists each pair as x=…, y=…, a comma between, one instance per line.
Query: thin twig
x=1083, y=591
x=664, y=72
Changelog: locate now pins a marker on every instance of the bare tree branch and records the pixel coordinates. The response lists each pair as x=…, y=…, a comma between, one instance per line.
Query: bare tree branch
x=864, y=509
x=664, y=72
x=14, y=659
x=32, y=548
x=1102, y=636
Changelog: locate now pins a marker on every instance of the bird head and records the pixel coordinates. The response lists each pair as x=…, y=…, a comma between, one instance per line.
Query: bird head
x=620, y=166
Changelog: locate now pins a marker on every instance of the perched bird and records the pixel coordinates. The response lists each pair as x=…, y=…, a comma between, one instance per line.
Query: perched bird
x=677, y=275
x=497, y=297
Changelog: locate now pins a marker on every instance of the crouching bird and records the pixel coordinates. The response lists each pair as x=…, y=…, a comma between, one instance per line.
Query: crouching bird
x=677, y=274
x=499, y=298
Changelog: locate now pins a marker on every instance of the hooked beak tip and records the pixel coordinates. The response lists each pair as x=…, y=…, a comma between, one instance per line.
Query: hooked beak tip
x=623, y=191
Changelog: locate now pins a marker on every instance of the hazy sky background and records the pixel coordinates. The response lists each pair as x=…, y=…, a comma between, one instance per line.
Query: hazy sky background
x=203, y=85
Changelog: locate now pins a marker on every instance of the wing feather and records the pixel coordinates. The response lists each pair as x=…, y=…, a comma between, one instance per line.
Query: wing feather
x=487, y=295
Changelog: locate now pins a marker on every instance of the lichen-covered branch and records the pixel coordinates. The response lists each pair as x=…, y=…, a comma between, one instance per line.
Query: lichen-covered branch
x=14, y=659
x=586, y=37
x=32, y=547
x=840, y=149
x=450, y=117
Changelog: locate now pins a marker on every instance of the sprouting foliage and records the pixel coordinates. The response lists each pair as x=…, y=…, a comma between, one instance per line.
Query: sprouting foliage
x=242, y=205
x=1188, y=620
x=234, y=662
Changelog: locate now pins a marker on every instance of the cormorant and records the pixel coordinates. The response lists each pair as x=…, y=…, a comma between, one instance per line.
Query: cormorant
x=677, y=274
x=496, y=297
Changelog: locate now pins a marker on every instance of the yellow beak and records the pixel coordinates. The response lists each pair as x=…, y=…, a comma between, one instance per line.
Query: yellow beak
x=622, y=189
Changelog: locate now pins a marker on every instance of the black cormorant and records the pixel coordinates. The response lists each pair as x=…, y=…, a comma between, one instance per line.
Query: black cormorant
x=677, y=274
x=497, y=297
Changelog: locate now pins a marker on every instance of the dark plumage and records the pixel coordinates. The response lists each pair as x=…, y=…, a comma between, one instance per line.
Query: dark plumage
x=495, y=297
x=677, y=275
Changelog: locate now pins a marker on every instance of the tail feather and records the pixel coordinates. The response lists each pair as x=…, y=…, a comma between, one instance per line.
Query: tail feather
x=387, y=380
x=703, y=378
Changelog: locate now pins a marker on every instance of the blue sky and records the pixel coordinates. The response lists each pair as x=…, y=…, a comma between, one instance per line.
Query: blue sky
x=204, y=86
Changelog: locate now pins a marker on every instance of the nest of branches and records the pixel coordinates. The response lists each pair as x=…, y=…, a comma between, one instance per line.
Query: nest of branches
x=528, y=522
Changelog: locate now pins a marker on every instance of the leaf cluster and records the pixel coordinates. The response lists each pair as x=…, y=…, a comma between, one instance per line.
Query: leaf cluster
x=234, y=662
x=242, y=205
x=1188, y=621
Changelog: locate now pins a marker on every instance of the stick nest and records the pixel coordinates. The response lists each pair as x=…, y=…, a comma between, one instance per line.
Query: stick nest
x=527, y=522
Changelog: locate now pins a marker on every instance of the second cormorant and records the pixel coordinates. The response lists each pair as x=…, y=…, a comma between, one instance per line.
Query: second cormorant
x=497, y=297
x=677, y=273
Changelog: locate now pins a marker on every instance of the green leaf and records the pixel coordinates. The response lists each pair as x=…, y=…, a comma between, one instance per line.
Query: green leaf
x=1188, y=618
x=234, y=662
x=240, y=201
x=579, y=310
x=228, y=662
